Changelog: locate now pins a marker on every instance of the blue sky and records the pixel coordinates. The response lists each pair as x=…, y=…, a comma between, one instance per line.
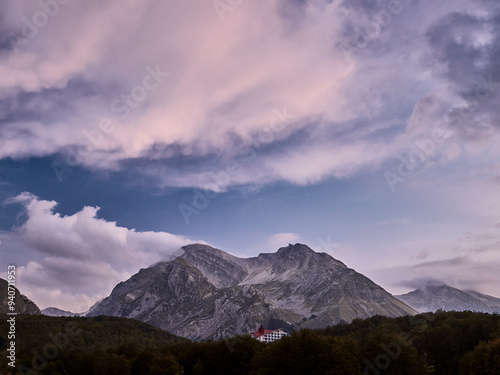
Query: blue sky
x=368, y=130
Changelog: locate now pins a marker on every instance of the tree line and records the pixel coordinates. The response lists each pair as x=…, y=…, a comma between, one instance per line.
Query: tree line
x=441, y=343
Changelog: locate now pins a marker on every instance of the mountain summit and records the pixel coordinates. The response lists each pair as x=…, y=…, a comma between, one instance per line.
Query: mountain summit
x=206, y=293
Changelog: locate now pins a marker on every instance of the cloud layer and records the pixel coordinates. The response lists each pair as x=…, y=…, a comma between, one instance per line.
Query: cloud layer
x=82, y=257
x=125, y=85
x=471, y=262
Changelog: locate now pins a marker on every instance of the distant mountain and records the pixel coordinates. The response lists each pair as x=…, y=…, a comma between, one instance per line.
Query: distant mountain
x=206, y=293
x=23, y=304
x=54, y=311
x=433, y=298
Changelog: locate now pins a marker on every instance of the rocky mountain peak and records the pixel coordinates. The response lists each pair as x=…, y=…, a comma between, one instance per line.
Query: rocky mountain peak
x=199, y=247
x=220, y=268
x=296, y=250
x=208, y=293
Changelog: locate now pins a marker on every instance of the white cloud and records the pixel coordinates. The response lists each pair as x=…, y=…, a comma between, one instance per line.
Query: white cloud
x=226, y=78
x=82, y=257
x=278, y=240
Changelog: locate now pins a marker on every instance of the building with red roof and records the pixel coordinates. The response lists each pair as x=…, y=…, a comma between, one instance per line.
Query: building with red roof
x=269, y=335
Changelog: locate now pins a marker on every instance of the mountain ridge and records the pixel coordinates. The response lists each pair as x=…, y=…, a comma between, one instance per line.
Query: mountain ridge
x=431, y=298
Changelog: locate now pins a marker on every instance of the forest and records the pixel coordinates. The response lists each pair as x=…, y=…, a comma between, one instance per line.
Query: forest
x=441, y=343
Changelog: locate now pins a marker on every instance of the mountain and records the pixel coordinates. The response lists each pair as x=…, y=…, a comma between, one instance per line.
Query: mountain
x=54, y=311
x=206, y=293
x=435, y=297
x=23, y=304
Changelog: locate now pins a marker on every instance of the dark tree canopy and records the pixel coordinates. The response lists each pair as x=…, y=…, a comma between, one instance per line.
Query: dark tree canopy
x=442, y=343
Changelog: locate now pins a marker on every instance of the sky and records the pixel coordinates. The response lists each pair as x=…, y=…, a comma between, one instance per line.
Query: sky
x=365, y=129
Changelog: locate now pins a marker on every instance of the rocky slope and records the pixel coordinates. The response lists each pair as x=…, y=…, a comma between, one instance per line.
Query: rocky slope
x=23, y=304
x=435, y=297
x=206, y=293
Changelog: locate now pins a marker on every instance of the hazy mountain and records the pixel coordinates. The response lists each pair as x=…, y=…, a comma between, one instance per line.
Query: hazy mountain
x=208, y=293
x=435, y=297
x=54, y=311
x=23, y=304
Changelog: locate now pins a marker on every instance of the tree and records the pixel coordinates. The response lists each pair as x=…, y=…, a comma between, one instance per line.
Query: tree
x=165, y=364
x=483, y=360
x=305, y=352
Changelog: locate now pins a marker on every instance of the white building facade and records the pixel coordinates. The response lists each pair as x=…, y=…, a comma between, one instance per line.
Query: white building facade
x=267, y=336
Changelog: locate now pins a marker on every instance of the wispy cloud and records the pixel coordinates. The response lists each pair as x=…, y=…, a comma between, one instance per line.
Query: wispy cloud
x=470, y=262
x=225, y=82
